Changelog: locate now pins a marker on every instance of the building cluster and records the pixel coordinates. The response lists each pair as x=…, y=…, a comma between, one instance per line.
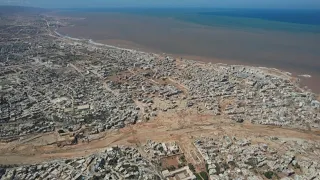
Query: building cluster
x=113, y=164
x=226, y=158
x=232, y=158
x=183, y=173
x=50, y=82
x=157, y=150
x=252, y=94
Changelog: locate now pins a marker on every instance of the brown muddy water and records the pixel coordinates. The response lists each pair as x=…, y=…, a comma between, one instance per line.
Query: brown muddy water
x=295, y=52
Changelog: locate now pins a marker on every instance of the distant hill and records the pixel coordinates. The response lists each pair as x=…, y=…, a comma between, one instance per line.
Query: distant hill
x=20, y=9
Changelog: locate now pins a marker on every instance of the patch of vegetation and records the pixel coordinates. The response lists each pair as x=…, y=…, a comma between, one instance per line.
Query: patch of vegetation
x=207, y=167
x=191, y=167
x=88, y=118
x=182, y=159
x=171, y=168
x=269, y=174
x=204, y=175
x=95, y=177
x=113, y=162
x=160, y=148
x=252, y=162
x=218, y=169
x=198, y=176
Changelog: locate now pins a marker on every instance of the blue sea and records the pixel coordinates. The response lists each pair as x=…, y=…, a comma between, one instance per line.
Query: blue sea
x=295, y=20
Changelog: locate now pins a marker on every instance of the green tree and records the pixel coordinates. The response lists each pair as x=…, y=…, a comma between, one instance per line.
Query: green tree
x=269, y=174
x=204, y=175
x=198, y=177
x=191, y=167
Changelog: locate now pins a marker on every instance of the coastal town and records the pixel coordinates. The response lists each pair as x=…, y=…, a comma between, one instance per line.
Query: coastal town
x=128, y=114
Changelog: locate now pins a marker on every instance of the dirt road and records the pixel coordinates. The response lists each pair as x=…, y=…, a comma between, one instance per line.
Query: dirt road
x=167, y=127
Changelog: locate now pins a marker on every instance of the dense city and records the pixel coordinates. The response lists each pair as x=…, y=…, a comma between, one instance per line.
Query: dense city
x=71, y=92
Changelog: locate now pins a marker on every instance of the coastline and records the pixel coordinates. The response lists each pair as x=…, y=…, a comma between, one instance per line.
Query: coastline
x=290, y=52
x=90, y=41
x=300, y=79
x=81, y=108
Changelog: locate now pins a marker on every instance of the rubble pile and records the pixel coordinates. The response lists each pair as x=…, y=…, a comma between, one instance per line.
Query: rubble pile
x=252, y=94
x=114, y=163
x=156, y=150
x=232, y=158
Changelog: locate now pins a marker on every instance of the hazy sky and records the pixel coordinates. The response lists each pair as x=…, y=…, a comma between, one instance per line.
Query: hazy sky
x=167, y=3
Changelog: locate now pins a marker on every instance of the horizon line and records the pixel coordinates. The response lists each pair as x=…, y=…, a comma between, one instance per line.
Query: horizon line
x=161, y=7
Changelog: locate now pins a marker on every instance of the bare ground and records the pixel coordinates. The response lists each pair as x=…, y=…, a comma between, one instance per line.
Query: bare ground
x=183, y=127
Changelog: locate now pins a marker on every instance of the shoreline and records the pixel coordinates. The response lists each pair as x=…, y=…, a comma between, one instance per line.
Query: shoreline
x=78, y=104
x=90, y=41
x=294, y=53
x=298, y=78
